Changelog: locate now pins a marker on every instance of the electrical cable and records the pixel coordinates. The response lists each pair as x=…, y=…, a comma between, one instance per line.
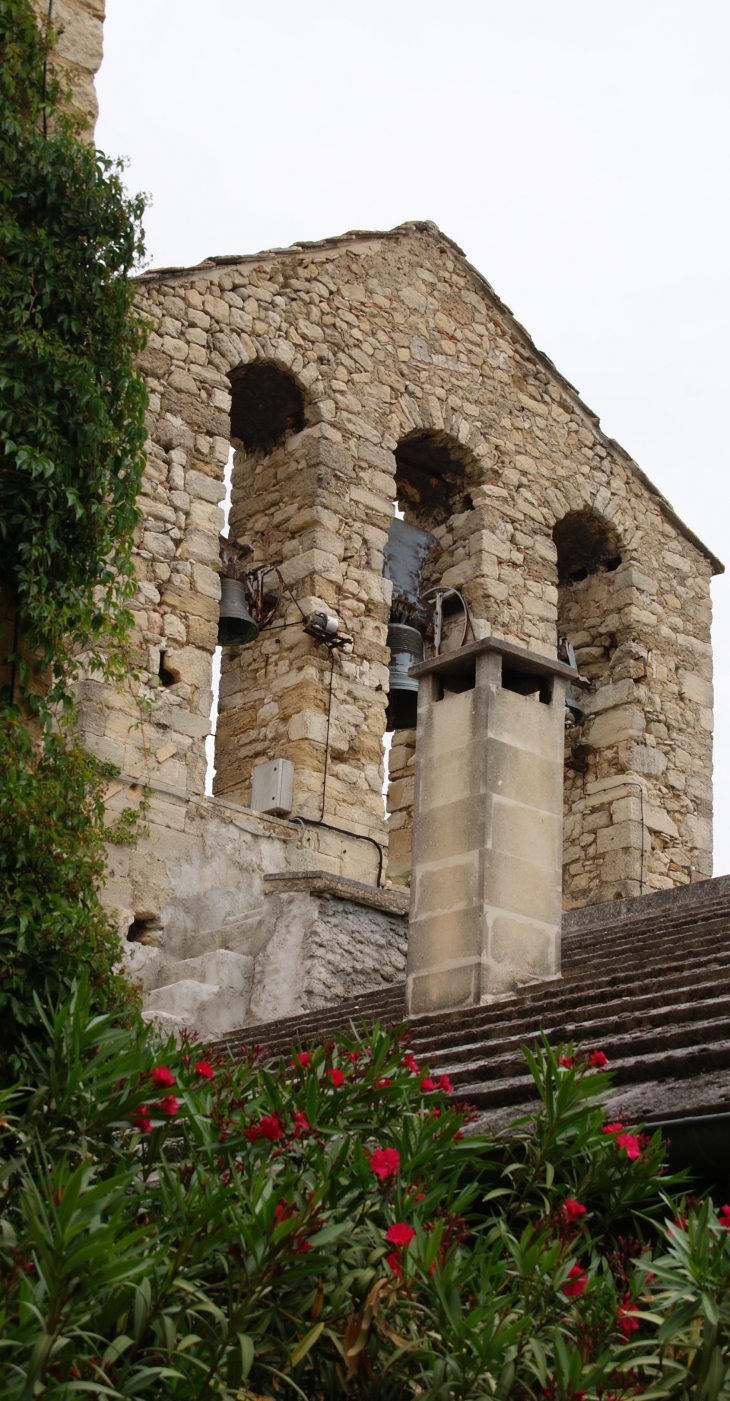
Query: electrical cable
x=45, y=74
x=319, y=821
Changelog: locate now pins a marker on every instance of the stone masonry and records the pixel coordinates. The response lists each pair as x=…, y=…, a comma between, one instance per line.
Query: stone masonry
x=416, y=384
x=348, y=375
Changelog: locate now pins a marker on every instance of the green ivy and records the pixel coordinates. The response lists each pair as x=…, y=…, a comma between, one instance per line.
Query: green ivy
x=52, y=921
x=72, y=404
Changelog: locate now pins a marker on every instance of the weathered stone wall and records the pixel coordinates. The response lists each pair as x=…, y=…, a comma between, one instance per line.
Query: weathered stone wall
x=77, y=54
x=390, y=338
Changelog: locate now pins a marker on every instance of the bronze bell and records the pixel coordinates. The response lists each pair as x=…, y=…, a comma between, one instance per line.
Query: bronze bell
x=235, y=624
x=406, y=649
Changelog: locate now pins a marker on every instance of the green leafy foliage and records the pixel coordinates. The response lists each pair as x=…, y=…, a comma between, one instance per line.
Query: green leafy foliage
x=181, y=1226
x=52, y=922
x=71, y=403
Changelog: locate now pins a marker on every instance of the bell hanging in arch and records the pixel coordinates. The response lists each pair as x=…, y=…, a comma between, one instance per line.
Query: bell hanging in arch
x=406, y=649
x=235, y=624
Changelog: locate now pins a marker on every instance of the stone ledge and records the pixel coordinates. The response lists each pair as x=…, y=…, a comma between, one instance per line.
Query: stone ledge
x=339, y=888
x=659, y=902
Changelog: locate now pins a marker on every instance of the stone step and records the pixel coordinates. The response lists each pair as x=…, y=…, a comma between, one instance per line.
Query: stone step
x=516, y=1089
x=647, y=1000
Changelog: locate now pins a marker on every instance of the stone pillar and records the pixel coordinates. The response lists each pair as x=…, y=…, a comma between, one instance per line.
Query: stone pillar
x=487, y=830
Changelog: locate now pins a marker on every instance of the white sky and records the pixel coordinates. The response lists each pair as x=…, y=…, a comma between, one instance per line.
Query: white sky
x=577, y=150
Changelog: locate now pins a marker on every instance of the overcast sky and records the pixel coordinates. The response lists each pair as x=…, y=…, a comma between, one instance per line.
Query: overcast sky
x=577, y=150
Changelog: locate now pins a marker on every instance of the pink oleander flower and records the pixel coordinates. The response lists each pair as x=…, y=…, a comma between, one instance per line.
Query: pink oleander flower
x=627, y=1322
x=162, y=1078
x=352, y=1056
x=399, y=1234
x=723, y=1217
x=141, y=1119
x=169, y=1105
x=204, y=1069
x=336, y=1077
x=395, y=1263
x=301, y=1059
x=567, y=1062
x=630, y=1142
x=301, y=1123
x=427, y=1084
x=597, y=1060
x=576, y=1282
x=612, y=1128
x=383, y=1083
x=410, y=1063
x=385, y=1162
x=445, y=1084
x=573, y=1210
x=270, y=1126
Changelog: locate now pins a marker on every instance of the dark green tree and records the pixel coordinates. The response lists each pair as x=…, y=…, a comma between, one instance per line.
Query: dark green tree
x=71, y=402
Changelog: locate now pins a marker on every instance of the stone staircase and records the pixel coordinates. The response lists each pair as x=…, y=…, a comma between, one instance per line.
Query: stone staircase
x=645, y=980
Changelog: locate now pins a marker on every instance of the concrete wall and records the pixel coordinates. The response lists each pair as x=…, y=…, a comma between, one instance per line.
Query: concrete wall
x=485, y=903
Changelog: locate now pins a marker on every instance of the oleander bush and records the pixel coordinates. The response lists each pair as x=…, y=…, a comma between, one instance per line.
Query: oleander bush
x=176, y=1225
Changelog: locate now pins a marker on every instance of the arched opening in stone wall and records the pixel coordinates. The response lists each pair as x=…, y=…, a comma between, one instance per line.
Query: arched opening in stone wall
x=589, y=554
x=267, y=406
x=434, y=474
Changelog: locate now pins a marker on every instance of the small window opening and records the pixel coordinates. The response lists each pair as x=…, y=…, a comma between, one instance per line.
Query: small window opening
x=166, y=676
x=433, y=473
x=525, y=684
x=456, y=685
x=145, y=929
x=586, y=544
x=266, y=405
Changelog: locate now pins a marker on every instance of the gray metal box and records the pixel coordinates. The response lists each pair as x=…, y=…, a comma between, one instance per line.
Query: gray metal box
x=272, y=787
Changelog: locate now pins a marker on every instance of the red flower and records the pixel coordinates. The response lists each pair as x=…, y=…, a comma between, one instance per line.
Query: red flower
x=384, y=1162
x=613, y=1128
x=383, y=1083
x=301, y=1123
x=141, y=1119
x=169, y=1105
x=204, y=1069
x=630, y=1142
x=162, y=1078
x=573, y=1210
x=253, y=1133
x=336, y=1076
x=445, y=1084
x=399, y=1234
x=428, y=1084
x=352, y=1056
x=270, y=1126
x=723, y=1217
x=301, y=1059
x=411, y=1063
x=597, y=1060
x=576, y=1282
x=627, y=1322
x=395, y=1264
x=567, y=1062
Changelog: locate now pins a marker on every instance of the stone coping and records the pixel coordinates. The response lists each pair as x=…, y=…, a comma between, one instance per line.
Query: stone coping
x=658, y=902
x=339, y=888
x=521, y=658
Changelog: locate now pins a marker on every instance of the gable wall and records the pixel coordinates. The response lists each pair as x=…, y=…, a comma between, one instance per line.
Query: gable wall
x=387, y=335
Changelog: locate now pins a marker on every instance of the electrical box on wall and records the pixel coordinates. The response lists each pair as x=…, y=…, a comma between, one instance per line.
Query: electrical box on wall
x=272, y=787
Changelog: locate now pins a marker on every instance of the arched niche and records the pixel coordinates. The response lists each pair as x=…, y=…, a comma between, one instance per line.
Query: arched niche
x=266, y=405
